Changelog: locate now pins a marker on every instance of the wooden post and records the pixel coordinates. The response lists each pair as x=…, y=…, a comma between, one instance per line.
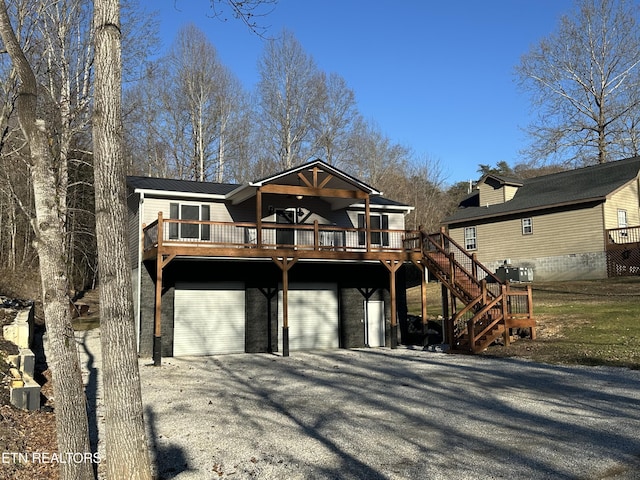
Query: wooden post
x=445, y=315
x=474, y=265
x=259, y=218
x=285, y=264
x=504, y=291
x=157, y=325
x=530, y=312
x=367, y=222
x=316, y=236
x=393, y=266
x=423, y=299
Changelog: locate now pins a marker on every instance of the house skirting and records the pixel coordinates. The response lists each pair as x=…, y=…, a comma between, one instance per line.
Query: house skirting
x=578, y=266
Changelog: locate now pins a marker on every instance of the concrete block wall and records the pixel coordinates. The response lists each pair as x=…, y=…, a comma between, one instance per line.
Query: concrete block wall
x=584, y=266
x=20, y=332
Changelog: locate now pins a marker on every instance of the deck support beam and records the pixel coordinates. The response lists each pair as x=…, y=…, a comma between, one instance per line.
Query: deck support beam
x=393, y=266
x=259, y=217
x=162, y=260
x=285, y=263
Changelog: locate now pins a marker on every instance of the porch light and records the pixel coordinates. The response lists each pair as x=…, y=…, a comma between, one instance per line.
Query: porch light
x=299, y=197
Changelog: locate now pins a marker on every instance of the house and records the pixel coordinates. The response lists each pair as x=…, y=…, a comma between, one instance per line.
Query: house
x=576, y=224
x=309, y=258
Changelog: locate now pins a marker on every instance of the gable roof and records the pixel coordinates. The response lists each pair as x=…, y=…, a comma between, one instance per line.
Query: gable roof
x=185, y=186
x=322, y=166
x=571, y=187
x=225, y=191
x=501, y=179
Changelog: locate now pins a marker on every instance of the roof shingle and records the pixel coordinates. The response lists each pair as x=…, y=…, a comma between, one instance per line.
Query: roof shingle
x=564, y=188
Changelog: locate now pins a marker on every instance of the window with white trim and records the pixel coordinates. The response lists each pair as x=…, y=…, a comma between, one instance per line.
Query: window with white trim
x=527, y=226
x=470, y=238
x=622, y=221
x=189, y=211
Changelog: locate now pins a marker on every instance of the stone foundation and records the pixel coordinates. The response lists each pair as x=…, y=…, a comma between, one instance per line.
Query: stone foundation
x=24, y=390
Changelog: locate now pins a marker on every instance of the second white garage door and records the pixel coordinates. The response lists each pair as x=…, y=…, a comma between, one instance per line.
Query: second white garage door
x=313, y=316
x=209, y=319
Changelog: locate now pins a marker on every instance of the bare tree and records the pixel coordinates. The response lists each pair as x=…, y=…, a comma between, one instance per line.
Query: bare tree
x=71, y=414
x=583, y=82
x=373, y=156
x=193, y=87
x=187, y=114
x=290, y=90
x=126, y=443
x=333, y=118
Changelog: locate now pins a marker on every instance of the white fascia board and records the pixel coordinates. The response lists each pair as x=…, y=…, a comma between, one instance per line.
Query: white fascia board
x=174, y=194
x=240, y=194
x=401, y=208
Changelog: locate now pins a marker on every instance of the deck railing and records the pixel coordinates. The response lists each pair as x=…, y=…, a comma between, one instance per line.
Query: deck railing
x=623, y=251
x=313, y=236
x=622, y=236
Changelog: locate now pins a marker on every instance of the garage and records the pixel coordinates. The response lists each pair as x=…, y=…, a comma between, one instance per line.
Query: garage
x=209, y=319
x=313, y=316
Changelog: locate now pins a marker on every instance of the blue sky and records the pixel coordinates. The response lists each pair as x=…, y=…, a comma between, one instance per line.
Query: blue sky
x=435, y=76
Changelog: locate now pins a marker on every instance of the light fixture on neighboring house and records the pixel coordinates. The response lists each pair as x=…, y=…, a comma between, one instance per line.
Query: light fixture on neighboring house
x=299, y=197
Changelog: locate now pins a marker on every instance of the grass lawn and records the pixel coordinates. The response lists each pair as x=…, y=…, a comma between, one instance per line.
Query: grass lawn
x=583, y=322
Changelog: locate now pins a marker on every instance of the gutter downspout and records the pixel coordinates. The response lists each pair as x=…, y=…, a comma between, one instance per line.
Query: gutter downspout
x=139, y=268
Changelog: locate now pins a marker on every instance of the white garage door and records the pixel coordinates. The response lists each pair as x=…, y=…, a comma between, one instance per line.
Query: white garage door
x=209, y=319
x=313, y=316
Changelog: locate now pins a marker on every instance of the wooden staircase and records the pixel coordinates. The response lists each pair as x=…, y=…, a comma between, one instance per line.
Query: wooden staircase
x=483, y=307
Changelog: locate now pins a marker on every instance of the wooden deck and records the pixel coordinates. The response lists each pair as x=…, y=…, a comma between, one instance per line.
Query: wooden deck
x=482, y=307
x=285, y=244
x=623, y=251
x=247, y=240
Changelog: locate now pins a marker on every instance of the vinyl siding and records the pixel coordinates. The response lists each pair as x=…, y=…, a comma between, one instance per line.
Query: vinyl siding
x=509, y=192
x=396, y=220
x=218, y=210
x=490, y=195
x=626, y=199
x=558, y=233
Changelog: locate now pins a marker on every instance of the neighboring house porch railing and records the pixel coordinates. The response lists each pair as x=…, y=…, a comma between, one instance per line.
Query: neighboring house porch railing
x=302, y=237
x=623, y=251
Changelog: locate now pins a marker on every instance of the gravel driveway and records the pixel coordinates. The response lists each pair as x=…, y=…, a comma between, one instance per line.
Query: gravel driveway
x=386, y=414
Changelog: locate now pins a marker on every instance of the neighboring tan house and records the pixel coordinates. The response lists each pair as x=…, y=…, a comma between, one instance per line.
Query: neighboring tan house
x=576, y=224
x=308, y=258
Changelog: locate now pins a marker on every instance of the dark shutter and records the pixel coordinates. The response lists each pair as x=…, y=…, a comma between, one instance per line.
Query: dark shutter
x=362, y=240
x=173, y=227
x=205, y=230
x=375, y=224
x=385, y=226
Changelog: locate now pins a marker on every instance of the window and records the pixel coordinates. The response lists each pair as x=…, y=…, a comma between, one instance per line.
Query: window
x=376, y=222
x=470, y=238
x=527, y=226
x=188, y=211
x=622, y=221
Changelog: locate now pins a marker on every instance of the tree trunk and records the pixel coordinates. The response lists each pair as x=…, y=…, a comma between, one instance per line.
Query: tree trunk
x=70, y=403
x=126, y=443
